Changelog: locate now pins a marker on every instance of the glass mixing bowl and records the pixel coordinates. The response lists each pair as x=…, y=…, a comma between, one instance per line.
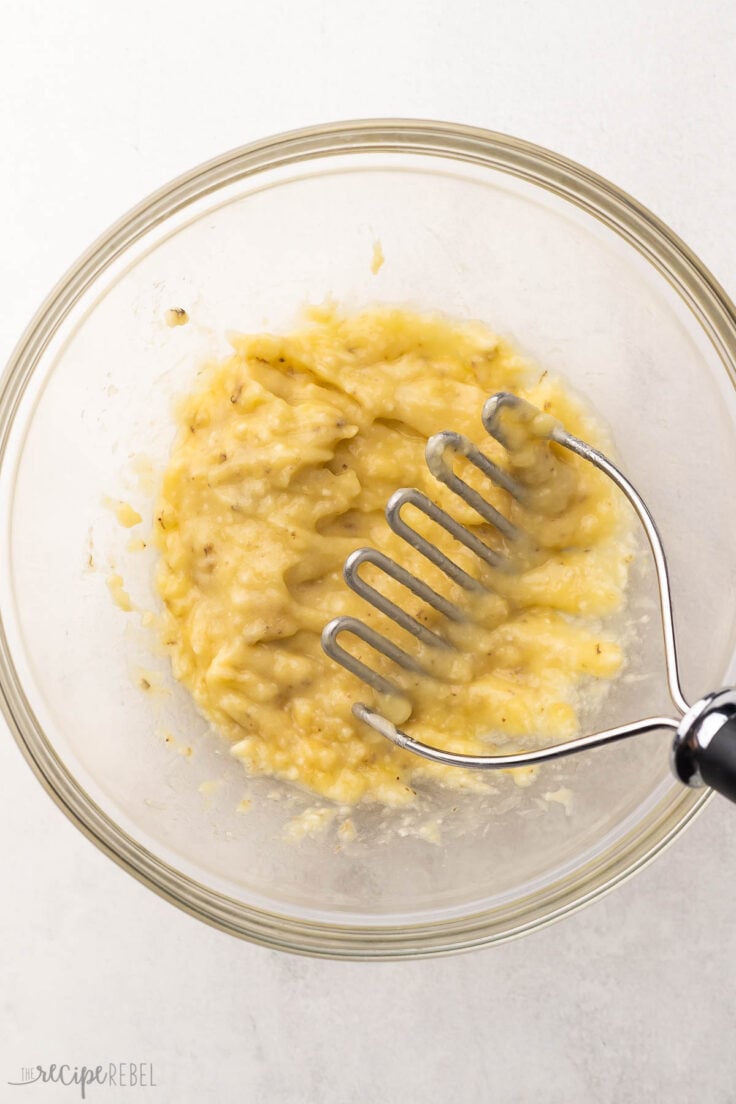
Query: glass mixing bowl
x=475, y=224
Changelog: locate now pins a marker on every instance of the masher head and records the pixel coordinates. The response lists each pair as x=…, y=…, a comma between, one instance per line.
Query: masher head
x=520, y=428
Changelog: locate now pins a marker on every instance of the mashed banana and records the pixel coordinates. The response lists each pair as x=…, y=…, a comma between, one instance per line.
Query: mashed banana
x=287, y=454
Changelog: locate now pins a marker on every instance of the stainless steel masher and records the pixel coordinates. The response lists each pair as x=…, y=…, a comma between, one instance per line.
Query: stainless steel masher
x=704, y=747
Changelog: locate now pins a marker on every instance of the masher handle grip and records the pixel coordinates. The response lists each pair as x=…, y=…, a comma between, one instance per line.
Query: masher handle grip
x=717, y=761
x=704, y=751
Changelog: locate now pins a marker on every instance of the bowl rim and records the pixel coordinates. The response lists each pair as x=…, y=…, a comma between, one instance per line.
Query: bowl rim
x=611, y=206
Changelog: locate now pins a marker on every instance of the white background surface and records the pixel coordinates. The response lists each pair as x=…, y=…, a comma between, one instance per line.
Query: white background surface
x=634, y=998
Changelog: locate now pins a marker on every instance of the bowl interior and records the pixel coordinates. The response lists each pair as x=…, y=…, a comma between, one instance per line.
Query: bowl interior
x=96, y=421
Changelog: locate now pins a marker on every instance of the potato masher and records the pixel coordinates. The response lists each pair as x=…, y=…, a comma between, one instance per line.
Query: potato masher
x=704, y=747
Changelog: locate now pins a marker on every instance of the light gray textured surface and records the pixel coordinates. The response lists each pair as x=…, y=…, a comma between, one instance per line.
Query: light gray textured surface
x=632, y=999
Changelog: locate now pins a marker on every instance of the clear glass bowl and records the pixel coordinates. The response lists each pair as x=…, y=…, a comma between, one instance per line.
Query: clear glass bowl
x=473, y=223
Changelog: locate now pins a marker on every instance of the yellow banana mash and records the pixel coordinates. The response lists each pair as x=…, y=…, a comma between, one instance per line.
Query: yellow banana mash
x=286, y=455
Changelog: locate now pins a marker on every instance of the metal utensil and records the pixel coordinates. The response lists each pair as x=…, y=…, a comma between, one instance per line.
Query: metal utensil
x=704, y=746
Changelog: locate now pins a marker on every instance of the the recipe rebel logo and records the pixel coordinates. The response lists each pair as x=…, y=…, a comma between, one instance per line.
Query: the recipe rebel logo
x=117, y=1075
